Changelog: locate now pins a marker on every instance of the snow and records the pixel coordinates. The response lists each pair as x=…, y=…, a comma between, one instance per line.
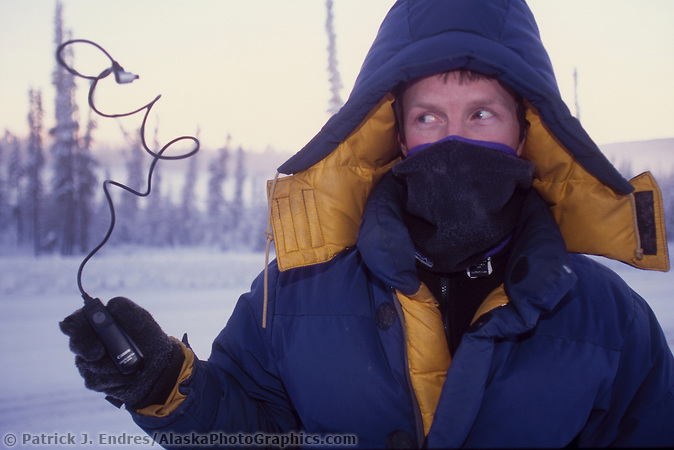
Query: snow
x=191, y=291
x=42, y=392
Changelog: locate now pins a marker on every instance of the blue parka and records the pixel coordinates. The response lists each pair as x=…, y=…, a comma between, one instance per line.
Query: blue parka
x=320, y=344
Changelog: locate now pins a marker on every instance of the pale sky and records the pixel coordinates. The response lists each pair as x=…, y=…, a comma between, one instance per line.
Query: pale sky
x=257, y=69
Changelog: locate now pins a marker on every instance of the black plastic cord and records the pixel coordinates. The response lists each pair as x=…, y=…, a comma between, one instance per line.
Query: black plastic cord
x=122, y=77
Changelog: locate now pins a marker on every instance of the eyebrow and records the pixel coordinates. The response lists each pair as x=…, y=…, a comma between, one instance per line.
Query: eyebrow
x=472, y=104
x=422, y=105
x=488, y=102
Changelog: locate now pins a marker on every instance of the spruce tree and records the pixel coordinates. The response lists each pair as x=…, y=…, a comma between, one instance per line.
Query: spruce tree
x=335, y=79
x=237, y=210
x=64, y=147
x=156, y=224
x=190, y=232
x=33, y=196
x=215, y=199
x=4, y=207
x=13, y=192
x=85, y=186
x=127, y=207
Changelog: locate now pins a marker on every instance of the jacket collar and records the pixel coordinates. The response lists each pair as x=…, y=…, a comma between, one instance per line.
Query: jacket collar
x=538, y=273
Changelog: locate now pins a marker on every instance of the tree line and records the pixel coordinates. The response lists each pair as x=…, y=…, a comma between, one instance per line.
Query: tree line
x=51, y=198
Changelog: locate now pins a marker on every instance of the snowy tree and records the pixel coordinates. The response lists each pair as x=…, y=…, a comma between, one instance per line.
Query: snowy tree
x=100, y=215
x=189, y=231
x=335, y=79
x=85, y=186
x=128, y=209
x=215, y=198
x=64, y=147
x=15, y=180
x=12, y=213
x=254, y=217
x=4, y=207
x=33, y=196
x=157, y=226
x=667, y=186
x=238, y=226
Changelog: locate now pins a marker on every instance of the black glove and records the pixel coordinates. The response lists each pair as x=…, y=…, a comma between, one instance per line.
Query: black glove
x=163, y=356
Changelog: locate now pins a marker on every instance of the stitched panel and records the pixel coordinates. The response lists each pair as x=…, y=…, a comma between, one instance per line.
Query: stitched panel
x=305, y=220
x=285, y=216
x=300, y=226
x=311, y=211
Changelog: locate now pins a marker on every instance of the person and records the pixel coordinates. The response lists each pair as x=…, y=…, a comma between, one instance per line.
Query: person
x=430, y=286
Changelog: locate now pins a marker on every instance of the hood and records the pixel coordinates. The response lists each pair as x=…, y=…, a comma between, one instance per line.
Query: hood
x=315, y=211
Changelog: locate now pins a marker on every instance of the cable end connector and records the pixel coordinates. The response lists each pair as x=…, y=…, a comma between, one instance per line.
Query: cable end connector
x=122, y=76
x=87, y=298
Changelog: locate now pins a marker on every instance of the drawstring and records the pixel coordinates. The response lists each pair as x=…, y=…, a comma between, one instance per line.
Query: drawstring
x=638, y=252
x=270, y=237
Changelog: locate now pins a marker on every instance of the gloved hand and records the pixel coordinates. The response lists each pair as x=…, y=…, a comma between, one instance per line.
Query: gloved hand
x=163, y=356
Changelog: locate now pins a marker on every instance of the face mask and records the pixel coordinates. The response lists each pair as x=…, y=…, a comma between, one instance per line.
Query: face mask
x=463, y=198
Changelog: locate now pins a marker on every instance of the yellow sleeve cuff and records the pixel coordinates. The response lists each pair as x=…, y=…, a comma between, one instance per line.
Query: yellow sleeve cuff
x=176, y=397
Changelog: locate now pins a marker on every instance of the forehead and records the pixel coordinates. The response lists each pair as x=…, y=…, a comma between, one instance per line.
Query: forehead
x=456, y=86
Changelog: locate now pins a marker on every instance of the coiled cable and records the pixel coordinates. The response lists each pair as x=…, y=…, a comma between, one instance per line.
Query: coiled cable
x=121, y=77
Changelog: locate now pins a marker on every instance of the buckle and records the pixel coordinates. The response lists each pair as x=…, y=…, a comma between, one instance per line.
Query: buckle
x=481, y=270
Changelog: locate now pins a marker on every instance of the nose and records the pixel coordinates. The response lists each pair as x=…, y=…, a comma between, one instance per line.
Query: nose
x=455, y=128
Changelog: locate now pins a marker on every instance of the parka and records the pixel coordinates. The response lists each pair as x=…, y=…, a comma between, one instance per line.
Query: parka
x=338, y=335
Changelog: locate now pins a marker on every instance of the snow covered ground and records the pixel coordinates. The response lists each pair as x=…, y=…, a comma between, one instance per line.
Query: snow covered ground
x=41, y=391
x=42, y=395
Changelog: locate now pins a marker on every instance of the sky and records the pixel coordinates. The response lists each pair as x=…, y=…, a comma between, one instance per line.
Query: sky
x=256, y=70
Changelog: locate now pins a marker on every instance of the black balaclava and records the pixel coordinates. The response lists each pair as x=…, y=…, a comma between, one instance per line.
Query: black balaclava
x=462, y=199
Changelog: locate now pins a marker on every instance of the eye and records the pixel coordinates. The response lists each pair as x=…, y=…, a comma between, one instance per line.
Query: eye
x=426, y=118
x=482, y=114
